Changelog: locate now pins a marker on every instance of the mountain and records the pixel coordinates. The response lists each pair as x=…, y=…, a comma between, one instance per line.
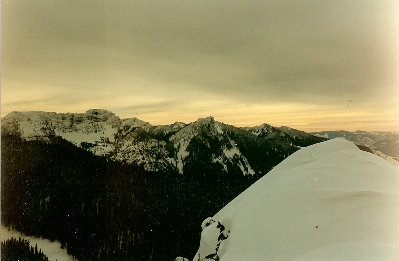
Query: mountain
x=203, y=146
x=101, y=209
x=297, y=137
x=68, y=177
x=326, y=201
x=380, y=142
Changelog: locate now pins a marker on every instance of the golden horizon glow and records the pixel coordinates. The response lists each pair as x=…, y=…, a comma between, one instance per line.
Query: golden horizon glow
x=299, y=116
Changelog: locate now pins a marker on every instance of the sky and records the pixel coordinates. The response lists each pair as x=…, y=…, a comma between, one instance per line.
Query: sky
x=311, y=65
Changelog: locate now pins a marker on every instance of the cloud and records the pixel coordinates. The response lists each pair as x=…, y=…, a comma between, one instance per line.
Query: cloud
x=252, y=52
x=150, y=107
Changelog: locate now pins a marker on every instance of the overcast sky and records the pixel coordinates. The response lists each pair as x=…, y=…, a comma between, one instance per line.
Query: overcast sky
x=312, y=65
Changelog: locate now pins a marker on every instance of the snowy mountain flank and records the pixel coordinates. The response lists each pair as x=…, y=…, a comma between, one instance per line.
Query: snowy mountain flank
x=328, y=201
x=205, y=144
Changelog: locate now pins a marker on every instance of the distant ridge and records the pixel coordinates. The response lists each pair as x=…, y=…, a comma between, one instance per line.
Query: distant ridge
x=378, y=142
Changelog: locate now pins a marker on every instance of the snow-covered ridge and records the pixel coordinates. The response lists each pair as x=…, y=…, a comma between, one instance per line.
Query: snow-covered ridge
x=157, y=148
x=94, y=129
x=131, y=140
x=328, y=201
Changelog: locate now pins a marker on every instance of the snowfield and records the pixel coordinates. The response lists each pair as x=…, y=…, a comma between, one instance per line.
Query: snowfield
x=328, y=201
x=52, y=250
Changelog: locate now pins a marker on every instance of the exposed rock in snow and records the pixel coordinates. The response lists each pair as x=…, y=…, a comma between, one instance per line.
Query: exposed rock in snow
x=265, y=130
x=328, y=201
x=132, y=123
x=232, y=153
x=323, y=135
x=208, y=127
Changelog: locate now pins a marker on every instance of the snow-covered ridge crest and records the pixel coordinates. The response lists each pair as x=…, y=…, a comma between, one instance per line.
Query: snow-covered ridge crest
x=132, y=140
x=329, y=201
x=95, y=128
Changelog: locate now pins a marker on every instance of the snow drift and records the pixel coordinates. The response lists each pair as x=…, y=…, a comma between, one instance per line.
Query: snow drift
x=328, y=201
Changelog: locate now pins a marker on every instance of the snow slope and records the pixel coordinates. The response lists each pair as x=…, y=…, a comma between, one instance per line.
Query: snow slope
x=52, y=249
x=328, y=201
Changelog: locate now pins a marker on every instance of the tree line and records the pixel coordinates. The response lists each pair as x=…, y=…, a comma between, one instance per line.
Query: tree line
x=19, y=249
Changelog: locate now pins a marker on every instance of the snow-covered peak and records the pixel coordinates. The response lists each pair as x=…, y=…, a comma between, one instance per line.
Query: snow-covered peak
x=170, y=129
x=29, y=115
x=183, y=137
x=328, y=201
x=262, y=129
x=94, y=130
x=264, y=126
x=207, y=120
x=30, y=124
x=202, y=124
x=178, y=125
x=265, y=130
x=216, y=143
x=135, y=122
x=294, y=133
x=38, y=117
x=100, y=112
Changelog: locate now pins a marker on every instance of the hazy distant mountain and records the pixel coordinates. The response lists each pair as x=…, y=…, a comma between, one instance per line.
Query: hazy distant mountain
x=385, y=142
x=202, y=146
